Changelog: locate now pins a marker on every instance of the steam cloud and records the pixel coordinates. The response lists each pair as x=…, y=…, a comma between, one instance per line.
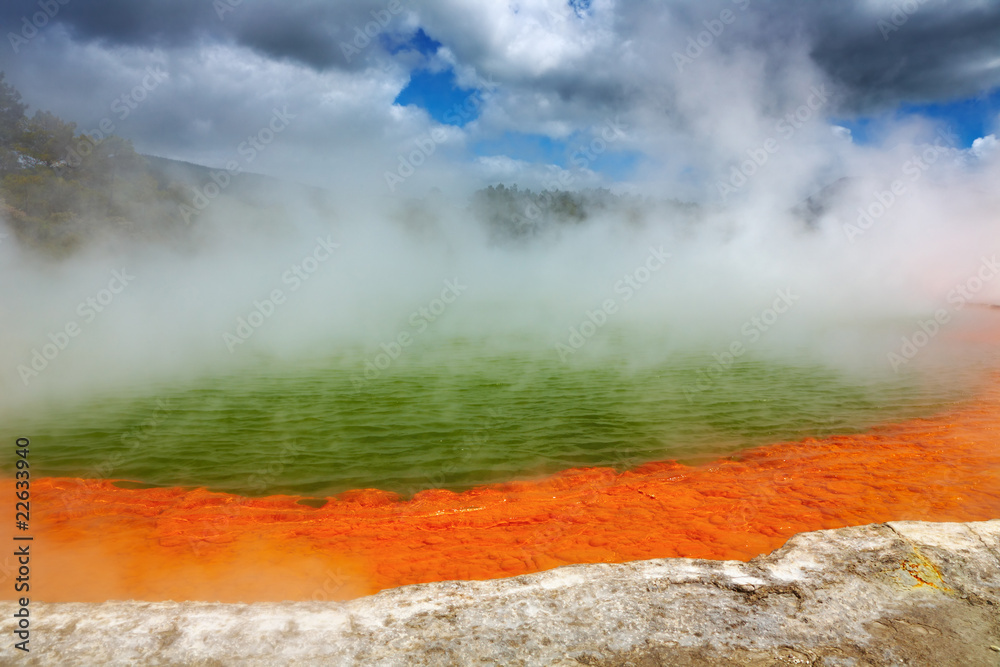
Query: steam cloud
x=871, y=239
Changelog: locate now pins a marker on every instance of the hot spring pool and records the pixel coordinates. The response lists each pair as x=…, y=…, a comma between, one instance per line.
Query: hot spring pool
x=303, y=479
x=456, y=416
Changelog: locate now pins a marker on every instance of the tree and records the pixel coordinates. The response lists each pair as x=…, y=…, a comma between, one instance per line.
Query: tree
x=11, y=117
x=59, y=190
x=11, y=112
x=45, y=138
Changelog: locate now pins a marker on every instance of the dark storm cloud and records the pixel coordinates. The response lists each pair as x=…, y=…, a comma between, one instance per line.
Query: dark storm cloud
x=880, y=52
x=308, y=32
x=294, y=33
x=939, y=51
x=123, y=21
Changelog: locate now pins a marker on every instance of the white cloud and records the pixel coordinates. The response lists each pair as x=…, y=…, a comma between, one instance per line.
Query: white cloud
x=984, y=146
x=842, y=132
x=558, y=74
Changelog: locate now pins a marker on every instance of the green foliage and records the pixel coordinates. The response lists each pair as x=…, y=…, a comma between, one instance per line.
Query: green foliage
x=11, y=115
x=11, y=111
x=512, y=214
x=45, y=138
x=60, y=188
x=45, y=197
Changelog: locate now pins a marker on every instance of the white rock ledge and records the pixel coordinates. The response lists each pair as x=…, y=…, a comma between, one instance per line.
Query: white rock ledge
x=901, y=593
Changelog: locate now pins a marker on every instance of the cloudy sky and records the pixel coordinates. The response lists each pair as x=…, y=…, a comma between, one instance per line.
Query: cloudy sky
x=398, y=96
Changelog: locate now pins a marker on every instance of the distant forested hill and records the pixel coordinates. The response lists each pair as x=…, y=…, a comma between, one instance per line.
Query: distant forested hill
x=513, y=215
x=60, y=188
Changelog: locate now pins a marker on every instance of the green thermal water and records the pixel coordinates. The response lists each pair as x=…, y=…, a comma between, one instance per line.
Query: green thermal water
x=455, y=417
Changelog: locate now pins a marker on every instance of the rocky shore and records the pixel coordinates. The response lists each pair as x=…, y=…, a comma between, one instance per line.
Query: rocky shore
x=900, y=593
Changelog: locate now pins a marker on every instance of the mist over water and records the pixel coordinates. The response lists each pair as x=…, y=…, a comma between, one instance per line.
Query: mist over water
x=401, y=342
x=358, y=280
x=361, y=347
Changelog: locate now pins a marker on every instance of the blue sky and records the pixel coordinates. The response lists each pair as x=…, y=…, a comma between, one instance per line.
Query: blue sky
x=967, y=119
x=438, y=93
x=448, y=103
